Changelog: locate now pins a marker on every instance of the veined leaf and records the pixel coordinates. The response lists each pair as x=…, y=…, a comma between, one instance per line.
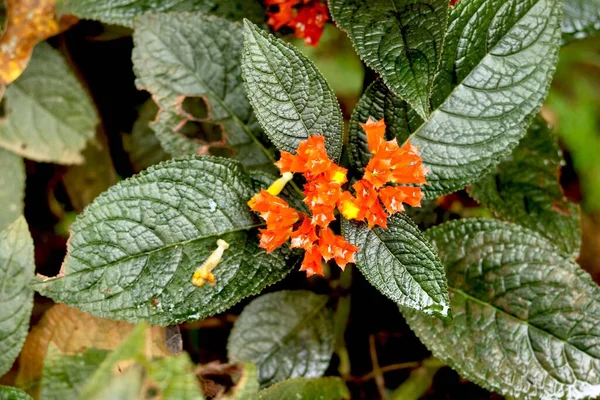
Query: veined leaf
x=400, y=39
x=50, y=122
x=581, y=19
x=290, y=97
x=124, y=12
x=526, y=317
x=133, y=251
x=191, y=65
x=11, y=393
x=16, y=298
x=329, y=388
x=12, y=187
x=286, y=334
x=525, y=190
x=401, y=264
x=498, y=60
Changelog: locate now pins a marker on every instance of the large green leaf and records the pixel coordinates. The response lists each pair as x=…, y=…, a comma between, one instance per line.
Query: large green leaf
x=124, y=12
x=48, y=122
x=401, y=264
x=11, y=393
x=400, y=39
x=16, y=298
x=581, y=19
x=191, y=65
x=12, y=187
x=286, y=334
x=525, y=190
x=291, y=99
x=526, y=317
x=498, y=61
x=133, y=251
x=306, y=389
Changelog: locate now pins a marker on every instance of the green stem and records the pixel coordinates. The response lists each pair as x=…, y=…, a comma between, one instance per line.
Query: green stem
x=341, y=316
x=419, y=381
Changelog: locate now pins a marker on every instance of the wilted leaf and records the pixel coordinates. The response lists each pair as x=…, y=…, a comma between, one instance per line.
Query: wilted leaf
x=286, y=334
x=72, y=332
x=134, y=250
x=525, y=190
x=246, y=386
x=16, y=298
x=124, y=12
x=401, y=264
x=526, y=317
x=581, y=19
x=11, y=393
x=12, y=187
x=49, y=122
x=199, y=88
x=497, y=65
x=289, y=95
x=400, y=39
x=28, y=22
x=307, y=389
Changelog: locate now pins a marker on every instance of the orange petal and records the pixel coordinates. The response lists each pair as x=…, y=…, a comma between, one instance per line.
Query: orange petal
x=312, y=262
x=375, y=131
x=305, y=236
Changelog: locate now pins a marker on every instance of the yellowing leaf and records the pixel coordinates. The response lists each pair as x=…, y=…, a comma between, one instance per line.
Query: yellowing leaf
x=71, y=332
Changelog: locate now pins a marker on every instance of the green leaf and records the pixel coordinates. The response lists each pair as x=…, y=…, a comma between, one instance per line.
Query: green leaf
x=330, y=388
x=379, y=102
x=16, y=298
x=525, y=190
x=11, y=393
x=498, y=61
x=401, y=264
x=64, y=375
x=191, y=65
x=124, y=12
x=581, y=19
x=246, y=386
x=50, y=122
x=12, y=187
x=290, y=97
x=286, y=334
x=526, y=317
x=174, y=378
x=133, y=251
x=400, y=39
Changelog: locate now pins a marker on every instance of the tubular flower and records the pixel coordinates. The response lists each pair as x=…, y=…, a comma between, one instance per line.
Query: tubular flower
x=306, y=17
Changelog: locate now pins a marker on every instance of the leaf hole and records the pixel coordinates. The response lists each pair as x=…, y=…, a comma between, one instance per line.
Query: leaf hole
x=196, y=107
x=204, y=131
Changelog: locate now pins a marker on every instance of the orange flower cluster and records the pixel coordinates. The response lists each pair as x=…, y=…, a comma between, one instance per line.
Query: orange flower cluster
x=306, y=17
x=324, y=193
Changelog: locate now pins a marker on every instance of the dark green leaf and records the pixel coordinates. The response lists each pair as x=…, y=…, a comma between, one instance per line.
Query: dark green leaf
x=581, y=19
x=12, y=187
x=307, y=389
x=133, y=251
x=400, y=39
x=124, y=12
x=498, y=61
x=11, y=393
x=64, y=375
x=16, y=298
x=191, y=65
x=525, y=190
x=526, y=317
x=50, y=122
x=286, y=334
x=401, y=264
x=291, y=99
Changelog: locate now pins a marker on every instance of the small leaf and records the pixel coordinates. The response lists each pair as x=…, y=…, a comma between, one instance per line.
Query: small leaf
x=494, y=75
x=401, y=264
x=64, y=375
x=526, y=317
x=246, y=385
x=174, y=378
x=525, y=190
x=581, y=19
x=286, y=334
x=50, y=122
x=191, y=65
x=16, y=298
x=12, y=187
x=290, y=97
x=330, y=388
x=400, y=39
x=119, y=12
x=132, y=253
x=11, y=393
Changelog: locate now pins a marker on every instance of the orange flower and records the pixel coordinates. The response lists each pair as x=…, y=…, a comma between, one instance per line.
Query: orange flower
x=312, y=262
x=311, y=158
x=306, y=17
x=278, y=215
x=305, y=236
x=336, y=247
